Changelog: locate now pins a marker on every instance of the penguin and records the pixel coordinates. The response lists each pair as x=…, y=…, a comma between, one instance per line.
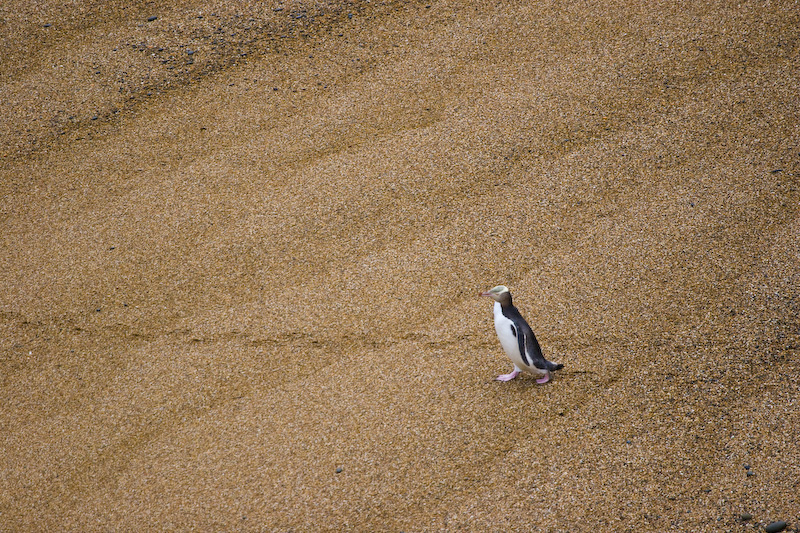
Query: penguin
x=517, y=339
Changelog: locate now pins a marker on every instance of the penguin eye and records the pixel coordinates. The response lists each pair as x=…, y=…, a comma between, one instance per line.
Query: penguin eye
x=513, y=330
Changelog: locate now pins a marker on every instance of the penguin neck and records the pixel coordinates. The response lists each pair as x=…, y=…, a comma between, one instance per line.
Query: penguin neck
x=505, y=301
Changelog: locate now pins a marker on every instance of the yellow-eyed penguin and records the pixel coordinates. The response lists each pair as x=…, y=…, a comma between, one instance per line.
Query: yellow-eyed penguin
x=517, y=339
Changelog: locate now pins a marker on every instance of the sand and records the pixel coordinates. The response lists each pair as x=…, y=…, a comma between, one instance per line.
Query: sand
x=242, y=245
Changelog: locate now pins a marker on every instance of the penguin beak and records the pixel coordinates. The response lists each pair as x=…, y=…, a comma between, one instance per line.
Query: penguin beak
x=488, y=295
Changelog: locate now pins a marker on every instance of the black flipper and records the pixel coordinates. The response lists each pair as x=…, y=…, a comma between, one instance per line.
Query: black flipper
x=519, y=333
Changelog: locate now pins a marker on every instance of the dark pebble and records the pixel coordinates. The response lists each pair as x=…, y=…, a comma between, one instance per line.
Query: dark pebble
x=744, y=517
x=339, y=470
x=190, y=52
x=47, y=25
x=750, y=473
x=151, y=19
x=747, y=467
x=774, y=527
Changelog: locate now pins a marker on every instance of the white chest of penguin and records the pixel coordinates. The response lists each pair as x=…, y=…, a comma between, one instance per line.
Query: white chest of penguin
x=505, y=332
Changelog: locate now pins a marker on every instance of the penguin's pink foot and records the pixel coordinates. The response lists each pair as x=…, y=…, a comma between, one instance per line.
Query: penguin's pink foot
x=544, y=379
x=507, y=377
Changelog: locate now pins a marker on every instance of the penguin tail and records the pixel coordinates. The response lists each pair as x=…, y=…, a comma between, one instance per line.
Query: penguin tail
x=554, y=366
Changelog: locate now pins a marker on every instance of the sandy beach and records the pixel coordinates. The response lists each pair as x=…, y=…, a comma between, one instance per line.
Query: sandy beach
x=242, y=245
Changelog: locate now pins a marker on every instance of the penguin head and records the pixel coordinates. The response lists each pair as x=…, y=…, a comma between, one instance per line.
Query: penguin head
x=498, y=294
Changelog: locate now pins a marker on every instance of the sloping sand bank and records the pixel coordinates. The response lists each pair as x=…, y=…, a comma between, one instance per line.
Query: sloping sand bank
x=242, y=243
